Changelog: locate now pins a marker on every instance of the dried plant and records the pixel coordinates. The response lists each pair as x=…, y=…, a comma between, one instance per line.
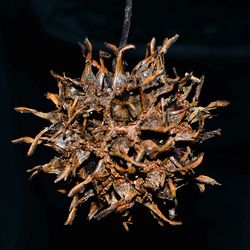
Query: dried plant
x=125, y=138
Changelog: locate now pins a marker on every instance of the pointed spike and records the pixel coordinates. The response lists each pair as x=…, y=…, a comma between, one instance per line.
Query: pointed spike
x=47, y=116
x=25, y=139
x=71, y=217
x=152, y=46
x=36, y=140
x=220, y=103
x=54, y=98
x=154, y=208
x=195, y=163
x=119, y=76
x=63, y=175
x=56, y=76
x=87, y=73
x=112, y=47
x=102, y=69
x=198, y=89
x=80, y=186
x=167, y=43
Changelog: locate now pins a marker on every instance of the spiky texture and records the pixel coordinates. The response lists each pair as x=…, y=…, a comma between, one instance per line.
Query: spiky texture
x=125, y=138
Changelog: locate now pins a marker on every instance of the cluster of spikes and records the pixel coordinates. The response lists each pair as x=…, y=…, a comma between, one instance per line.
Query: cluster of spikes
x=123, y=138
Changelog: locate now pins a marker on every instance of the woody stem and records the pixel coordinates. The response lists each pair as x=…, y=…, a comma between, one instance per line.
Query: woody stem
x=126, y=23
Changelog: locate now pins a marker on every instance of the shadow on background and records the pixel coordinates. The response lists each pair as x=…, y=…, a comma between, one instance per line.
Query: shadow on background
x=39, y=35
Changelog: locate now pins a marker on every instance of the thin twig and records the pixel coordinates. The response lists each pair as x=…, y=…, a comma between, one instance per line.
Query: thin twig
x=126, y=23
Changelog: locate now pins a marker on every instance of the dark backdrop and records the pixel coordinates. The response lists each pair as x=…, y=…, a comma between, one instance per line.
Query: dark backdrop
x=39, y=35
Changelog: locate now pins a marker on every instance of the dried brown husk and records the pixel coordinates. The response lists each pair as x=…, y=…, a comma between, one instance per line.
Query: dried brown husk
x=118, y=134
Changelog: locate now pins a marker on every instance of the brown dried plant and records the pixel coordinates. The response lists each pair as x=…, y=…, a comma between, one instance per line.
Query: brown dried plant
x=125, y=138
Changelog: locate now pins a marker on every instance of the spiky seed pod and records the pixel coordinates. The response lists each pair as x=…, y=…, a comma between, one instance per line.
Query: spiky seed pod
x=125, y=138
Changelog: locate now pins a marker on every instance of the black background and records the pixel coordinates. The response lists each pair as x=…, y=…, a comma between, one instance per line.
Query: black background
x=39, y=35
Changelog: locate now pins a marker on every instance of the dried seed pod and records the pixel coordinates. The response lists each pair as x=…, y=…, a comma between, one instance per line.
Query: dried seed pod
x=118, y=134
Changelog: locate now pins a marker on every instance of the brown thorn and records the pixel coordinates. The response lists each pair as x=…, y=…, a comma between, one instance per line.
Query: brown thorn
x=36, y=140
x=167, y=43
x=154, y=208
